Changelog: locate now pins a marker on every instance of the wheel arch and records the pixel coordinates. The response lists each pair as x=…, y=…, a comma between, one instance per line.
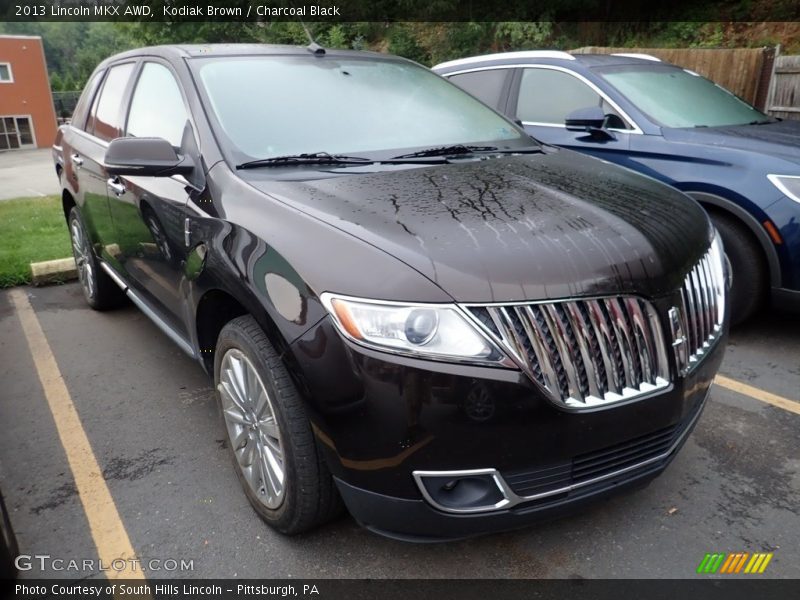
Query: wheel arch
x=215, y=309
x=67, y=203
x=714, y=203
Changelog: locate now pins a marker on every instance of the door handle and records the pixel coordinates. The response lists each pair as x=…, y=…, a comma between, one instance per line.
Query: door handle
x=187, y=232
x=116, y=186
x=77, y=161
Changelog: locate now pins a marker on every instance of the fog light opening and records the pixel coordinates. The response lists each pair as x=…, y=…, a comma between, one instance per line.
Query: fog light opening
x=463, y=492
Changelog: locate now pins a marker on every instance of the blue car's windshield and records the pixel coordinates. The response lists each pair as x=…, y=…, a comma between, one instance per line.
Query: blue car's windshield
x=675, y=97
x=267, y=106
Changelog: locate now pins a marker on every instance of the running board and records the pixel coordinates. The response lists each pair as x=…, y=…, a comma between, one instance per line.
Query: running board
x=147, y=310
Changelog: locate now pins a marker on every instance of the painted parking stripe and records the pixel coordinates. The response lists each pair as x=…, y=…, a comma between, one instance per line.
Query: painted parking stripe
x=757, y=393
x=107, y=529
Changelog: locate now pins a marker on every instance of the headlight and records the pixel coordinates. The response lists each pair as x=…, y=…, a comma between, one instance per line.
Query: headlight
x=788, y=184
x=436, y=331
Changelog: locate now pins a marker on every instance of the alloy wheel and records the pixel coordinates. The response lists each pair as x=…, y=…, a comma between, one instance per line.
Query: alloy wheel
x=83, y=258
x=252, y=427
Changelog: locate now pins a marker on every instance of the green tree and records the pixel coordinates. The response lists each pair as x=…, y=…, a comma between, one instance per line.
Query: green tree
x=56, y=84
x=403, y=42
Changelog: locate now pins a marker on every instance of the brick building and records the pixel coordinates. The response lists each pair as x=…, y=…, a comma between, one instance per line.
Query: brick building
x=27, y=117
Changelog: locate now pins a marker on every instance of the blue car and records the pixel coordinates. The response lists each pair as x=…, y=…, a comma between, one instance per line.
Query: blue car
x=676, y=126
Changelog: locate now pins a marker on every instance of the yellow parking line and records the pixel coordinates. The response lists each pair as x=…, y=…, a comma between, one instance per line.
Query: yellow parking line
x=758, y=394
x=105, y=524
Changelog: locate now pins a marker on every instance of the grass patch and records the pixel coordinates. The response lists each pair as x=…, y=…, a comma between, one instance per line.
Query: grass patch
x=31, y=230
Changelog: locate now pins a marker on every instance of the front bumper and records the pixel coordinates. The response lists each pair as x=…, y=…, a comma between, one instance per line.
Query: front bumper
x=417, y=520
x=380, y=418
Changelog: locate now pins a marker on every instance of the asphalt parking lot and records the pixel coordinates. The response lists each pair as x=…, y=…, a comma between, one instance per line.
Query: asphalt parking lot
x=150, y=418
x=27, y=173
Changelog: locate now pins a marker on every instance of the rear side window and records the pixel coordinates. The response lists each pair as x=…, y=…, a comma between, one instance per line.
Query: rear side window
x=157, y=108
x=548, y=96
x=105, y=118
x=486, y=86
x=79, y=114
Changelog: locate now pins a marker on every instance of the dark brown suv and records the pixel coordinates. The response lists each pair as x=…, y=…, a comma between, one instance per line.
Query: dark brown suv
x=406, y=302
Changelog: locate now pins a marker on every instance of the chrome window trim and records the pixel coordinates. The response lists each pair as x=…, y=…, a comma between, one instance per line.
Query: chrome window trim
x=557, y=54
x=512, y=499
x=636, y=130
x=638, y=55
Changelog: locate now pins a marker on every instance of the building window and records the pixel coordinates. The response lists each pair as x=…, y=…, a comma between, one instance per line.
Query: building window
x=5, y=73
x=15, y=132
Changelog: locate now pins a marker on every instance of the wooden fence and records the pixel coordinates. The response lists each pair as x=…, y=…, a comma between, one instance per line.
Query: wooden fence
x=744, y=71
x=784, y=96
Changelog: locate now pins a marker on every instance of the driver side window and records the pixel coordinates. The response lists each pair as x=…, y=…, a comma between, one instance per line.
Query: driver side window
x=157, y=108
x=547, y=96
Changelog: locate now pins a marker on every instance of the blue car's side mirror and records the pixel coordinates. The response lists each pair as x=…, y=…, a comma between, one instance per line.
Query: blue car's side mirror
x=584, y=118
x=592, y=120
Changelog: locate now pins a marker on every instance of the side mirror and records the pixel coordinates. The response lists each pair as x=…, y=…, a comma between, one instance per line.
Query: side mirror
x=585, y=119
x=154, y=157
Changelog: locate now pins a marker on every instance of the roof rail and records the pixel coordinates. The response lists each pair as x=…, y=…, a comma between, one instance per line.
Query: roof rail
x=637, y=55
x=506, y=55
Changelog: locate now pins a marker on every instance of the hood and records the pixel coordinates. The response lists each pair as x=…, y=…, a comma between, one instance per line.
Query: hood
x=541, y=226
x=780, y=138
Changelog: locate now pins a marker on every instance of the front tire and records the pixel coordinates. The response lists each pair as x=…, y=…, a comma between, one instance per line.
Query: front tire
x=99, y=289
x=748, y=269
x=269, y=434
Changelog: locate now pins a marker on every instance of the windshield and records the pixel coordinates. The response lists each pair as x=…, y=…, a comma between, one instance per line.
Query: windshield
x=675, y=97
x=270, y=106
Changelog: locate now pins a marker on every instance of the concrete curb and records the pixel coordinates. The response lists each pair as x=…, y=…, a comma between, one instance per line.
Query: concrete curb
x=53, y=271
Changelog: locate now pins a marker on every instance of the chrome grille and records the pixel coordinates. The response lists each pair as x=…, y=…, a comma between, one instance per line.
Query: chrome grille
x=583, y=352
x=702, y=308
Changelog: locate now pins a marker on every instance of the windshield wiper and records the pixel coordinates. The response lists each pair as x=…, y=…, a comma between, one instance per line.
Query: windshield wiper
x=447, y=151
x=461, y=149
x=315, y=158
x=326, y=158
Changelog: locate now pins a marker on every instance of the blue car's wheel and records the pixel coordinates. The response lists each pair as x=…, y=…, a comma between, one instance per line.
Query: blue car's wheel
x=748, y=268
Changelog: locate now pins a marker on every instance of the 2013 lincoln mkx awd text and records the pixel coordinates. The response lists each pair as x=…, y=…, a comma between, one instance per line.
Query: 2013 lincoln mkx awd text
x=407, y=304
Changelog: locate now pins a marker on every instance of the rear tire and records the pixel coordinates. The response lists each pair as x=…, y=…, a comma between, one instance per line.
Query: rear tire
x=99, y=289
x=274, y=451
x=748, y=269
